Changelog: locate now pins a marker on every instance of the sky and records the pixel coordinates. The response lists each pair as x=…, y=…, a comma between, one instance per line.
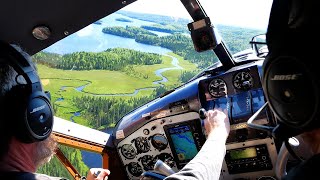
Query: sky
x=244, y=13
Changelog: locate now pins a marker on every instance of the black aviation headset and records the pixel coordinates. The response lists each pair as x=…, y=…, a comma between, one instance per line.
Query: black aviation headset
x=290, y=74
x=27, y=109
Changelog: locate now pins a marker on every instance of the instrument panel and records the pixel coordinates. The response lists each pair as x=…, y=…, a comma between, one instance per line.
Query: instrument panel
x=175, y=140
x=251, y=153
x=238, y=92
x=169, y=128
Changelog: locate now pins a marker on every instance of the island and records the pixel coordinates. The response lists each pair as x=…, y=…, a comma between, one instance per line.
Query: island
x=123, y=20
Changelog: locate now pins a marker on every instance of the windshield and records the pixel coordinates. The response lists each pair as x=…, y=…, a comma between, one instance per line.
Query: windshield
x=118, y=63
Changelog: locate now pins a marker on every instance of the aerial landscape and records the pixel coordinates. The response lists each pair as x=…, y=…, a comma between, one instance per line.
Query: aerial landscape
x=99, y=74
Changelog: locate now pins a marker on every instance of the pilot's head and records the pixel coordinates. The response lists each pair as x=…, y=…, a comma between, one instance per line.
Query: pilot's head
x=26, y=116
x=290, y=74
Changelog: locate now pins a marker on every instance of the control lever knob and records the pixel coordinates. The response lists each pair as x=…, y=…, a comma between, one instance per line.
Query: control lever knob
x=163, y=168
x=203, y=114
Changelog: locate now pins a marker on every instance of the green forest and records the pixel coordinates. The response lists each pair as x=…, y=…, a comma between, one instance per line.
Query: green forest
x=88, y=83
x=237, y=38
x=111, y=59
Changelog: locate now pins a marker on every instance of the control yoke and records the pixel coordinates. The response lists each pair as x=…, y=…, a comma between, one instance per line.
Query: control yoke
x=163, y=168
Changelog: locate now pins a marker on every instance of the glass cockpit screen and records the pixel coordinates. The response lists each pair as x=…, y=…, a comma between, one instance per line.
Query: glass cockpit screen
x=241, y=107
x=185, y=139
x=183, y=142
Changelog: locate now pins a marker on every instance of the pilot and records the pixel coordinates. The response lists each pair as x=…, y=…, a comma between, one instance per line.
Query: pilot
x=22, y=151
x=206, y=165
x=291, y=83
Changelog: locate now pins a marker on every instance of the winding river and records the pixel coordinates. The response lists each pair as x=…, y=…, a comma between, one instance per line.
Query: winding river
x=92, y=39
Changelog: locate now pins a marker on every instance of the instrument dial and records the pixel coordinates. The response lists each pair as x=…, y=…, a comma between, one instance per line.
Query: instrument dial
x=128, y=151
x=142, y=144
x=147, y=162
x=217, y=88
x=166, y=158
x=159, y=142
x=243, y=80
x=135, y=169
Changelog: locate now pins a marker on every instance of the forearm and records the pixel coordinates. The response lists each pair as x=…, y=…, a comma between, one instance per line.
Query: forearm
x=206, y=165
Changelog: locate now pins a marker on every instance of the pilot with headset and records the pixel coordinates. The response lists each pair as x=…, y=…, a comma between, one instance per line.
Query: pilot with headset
x=291, y=83
x=291, y=78
x=26, y=119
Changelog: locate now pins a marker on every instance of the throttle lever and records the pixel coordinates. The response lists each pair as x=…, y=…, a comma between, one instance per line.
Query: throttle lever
x=163, y=168
x=203, y=116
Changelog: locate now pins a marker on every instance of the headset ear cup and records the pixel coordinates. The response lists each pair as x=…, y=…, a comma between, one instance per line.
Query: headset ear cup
x=31, y=116
x=291, y=91
x=39, y=116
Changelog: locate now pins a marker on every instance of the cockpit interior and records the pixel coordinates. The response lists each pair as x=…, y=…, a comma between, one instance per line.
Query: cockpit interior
x=170, y=126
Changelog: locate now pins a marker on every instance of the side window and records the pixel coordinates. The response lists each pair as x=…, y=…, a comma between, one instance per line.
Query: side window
x=78, y=158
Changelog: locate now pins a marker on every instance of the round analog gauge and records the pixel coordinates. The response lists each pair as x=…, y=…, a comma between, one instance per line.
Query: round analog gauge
x=135, y=169
x=217, y=88
x=128, y=151
x=147, y=162
x=243, y=80
x=166, y=158
x=159, y=142
x=142, y=144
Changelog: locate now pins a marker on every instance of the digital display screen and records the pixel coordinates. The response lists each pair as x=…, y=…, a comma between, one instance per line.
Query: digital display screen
x=257, y=99
x=243, y=153
x=222, y=103
x=241, y=106
x=183, y=142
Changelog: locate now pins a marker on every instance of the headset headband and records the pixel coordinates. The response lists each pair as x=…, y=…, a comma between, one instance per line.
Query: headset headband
x=9, y=55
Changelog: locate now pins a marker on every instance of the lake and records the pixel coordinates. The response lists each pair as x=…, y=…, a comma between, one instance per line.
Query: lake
x=92, y=39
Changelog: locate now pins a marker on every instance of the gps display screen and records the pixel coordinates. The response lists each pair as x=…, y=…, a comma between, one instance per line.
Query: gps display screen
x=183, y=142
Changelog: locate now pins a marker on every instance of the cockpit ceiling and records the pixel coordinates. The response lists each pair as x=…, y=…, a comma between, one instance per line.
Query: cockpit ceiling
x=63, y=17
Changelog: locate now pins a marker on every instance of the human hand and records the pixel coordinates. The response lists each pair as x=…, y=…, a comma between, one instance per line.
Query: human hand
x=217, y=125
x=98, y=174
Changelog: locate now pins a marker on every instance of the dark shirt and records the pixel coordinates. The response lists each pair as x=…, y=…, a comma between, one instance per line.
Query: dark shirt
x=26, y=176
x=308, y=169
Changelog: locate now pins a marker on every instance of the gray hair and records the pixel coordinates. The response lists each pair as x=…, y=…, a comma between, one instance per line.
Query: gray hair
x=8, y=74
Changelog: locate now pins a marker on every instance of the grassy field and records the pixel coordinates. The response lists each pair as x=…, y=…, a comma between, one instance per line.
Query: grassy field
x=63, y=83
x=174, y=74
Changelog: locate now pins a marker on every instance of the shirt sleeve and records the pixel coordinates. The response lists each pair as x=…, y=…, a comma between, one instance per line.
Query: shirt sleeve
x=206, y=165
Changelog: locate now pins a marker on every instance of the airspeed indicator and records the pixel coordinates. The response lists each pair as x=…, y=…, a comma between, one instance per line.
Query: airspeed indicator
x=217, y=88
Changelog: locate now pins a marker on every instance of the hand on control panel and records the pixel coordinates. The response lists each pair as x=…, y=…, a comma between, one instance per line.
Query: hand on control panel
x=217, y=125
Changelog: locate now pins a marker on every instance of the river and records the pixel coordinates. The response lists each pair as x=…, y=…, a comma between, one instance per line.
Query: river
x=92, y=39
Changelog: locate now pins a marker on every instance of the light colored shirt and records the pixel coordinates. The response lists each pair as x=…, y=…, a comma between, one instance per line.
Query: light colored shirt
x=206, y=165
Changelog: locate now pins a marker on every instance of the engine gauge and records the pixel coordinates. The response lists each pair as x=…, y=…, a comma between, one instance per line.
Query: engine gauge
x=243, y=80
x=217, y=88
x=128, y=151
x=166, y=158
x=147, y=162
x=135, y=169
